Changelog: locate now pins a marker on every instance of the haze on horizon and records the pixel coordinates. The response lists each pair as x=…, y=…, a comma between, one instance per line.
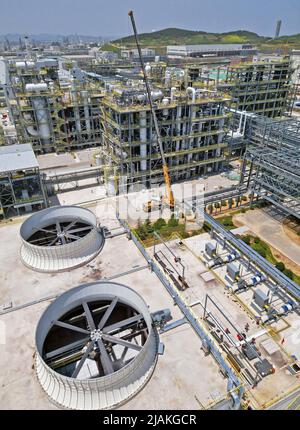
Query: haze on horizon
x=110, y=18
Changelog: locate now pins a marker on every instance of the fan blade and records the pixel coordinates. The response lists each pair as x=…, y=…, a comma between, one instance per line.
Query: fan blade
x=72, y=236
x=66, y=348
x=123, y=323
x=70, y=225
x=45, y=230
x=105, y=359
x=77, y=230
x=82, y=360
x=53, y=241
x=58, y=228
x=89, y=316
x=122, y=342
x=107, y=313
x=71, y=327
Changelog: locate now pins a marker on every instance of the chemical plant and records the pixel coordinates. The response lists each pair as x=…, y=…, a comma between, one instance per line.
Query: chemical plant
x=150, y=223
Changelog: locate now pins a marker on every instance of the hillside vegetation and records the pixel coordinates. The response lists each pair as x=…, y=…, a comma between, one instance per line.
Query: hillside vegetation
x=178, y=36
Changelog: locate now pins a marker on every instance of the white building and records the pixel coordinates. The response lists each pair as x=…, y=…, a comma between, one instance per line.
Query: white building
x=295, y=58
x=220, y=50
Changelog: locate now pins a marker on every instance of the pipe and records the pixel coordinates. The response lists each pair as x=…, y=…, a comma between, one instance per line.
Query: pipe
x=155, y=95
x=84, y=95
x=244, y=128
x=36, y=87
x=143, y=139
x=24, y=64
x=193, y=91
x=173, y=89
x=240, y=123
x=76, y=109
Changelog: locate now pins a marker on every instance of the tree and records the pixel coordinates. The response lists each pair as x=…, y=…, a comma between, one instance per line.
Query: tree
x=159, y=224
x=142, y=232
x=280, y=266
x=258, y=247
x=148, y=226
x=289, y=273
x=173, y=222
x=247, y=239
x=223, y=203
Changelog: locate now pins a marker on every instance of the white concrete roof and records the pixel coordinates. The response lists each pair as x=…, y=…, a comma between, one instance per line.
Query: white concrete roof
x=17, y=157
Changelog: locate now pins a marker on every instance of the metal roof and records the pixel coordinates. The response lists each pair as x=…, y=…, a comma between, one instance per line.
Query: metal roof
x=210, y=47
x=17, y=157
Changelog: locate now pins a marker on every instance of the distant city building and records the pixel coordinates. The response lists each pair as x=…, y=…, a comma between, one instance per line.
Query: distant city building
x=103, y=55
x=80, y=59
x=278, y=27
x=222, y=50
x=133, y=53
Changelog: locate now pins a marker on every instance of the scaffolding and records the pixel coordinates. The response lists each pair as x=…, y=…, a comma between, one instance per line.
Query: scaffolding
x=21, y=183
x=271, y=164
x=262, y=88
x=50, y=116
x=192, y=131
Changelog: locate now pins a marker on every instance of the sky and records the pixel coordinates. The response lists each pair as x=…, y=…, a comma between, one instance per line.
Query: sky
x=110, y=17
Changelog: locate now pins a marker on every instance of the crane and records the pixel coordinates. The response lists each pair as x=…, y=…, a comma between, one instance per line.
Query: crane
x=170, y=196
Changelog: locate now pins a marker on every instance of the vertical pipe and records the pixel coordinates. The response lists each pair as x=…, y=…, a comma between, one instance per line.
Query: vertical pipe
x=143, y=139
x=75, y=108
x=84, y=95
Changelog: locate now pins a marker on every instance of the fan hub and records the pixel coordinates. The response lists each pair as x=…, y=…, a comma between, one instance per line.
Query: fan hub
x=96, y=335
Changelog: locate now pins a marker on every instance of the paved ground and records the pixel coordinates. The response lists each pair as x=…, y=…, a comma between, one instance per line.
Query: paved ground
x=177, y=382
x=62, y=163
x=271, y=231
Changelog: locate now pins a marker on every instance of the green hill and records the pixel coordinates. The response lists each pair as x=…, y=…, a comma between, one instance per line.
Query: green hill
x=178, y=36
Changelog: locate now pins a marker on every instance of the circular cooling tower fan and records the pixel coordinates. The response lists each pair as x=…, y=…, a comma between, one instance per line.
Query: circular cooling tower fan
x=96, y=346
x=60, y=238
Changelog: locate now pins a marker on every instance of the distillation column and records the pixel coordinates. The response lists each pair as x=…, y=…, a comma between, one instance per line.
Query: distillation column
x=84, y=95
x=39, y=104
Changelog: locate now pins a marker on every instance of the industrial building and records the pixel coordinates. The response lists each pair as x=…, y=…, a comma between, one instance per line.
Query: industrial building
x=259, y=87
x=130, y=54
x=295, y=59
x=270, y=168
x=117, y=294
x=222, y=50
x=192, y=124
x=52, y=113
x=21, y=187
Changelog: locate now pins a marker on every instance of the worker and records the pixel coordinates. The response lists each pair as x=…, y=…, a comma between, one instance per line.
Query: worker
x=247, y=327
x=239, y=337
x=227, y=331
